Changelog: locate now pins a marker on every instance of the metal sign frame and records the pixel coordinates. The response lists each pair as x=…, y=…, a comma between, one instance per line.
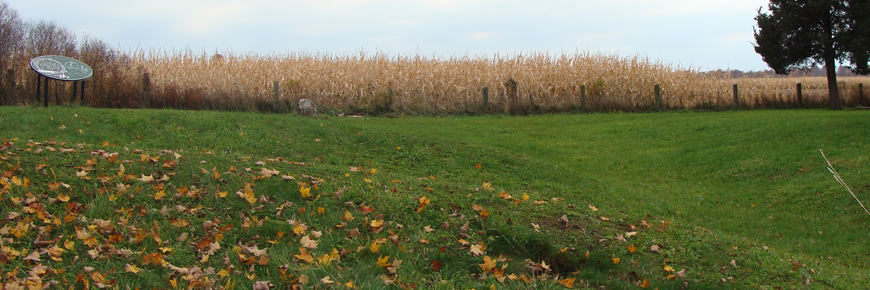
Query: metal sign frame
x=59, y=68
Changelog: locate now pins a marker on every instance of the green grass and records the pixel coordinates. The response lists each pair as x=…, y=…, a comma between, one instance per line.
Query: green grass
x=706, y=188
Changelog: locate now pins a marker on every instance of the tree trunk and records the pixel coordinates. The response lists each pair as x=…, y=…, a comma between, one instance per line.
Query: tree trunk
x=833, y=92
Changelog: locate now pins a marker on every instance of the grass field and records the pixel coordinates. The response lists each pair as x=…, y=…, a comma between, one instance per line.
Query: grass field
x=737, y=199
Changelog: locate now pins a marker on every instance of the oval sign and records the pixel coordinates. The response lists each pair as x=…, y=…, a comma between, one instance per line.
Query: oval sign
x=61, y=68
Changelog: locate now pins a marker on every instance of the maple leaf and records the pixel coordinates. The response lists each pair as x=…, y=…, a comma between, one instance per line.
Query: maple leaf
x=247, y=193
x=130, y=268
x=631, y=249
x=308, y=243
x=384, y=261
x=33, y=256
x=375, y=247
x=654, y=248
x=376, y=223
x=304, y=255
x=477, y=249
x=305, y=191
x=159, y=195
x=486, y=186
x=488, y=264
x=267, y=173
x=616, y=260
x=569, y=282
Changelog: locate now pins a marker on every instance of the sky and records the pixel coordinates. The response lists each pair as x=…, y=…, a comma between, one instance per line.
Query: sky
x=698, y=34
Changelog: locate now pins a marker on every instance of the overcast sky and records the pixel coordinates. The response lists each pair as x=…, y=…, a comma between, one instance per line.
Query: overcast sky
x=701, y=34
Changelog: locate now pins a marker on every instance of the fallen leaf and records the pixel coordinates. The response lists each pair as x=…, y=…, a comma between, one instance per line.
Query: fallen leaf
x=569, y=282
x=477, y=249
x=130, y=268
x=488, y=264
x=616, y=260
x=654, y=248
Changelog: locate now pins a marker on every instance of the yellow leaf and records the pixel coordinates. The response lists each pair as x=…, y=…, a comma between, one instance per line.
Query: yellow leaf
x=347, y=216
x=130, y=268
x=377, y=223
x=668, y=268
x=222, y=194
x=384, y=261
x=375, y=247
x=592, y=207
x=616, y=260
x=525, y=196
x=374, y=171
x=159, y=195
x=488, y=264
x=215, y=174
x=305, y=191
x=63, y=197
x=321, y=210
x=69, y=245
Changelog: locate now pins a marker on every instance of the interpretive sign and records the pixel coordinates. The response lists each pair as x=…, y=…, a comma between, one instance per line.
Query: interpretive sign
x=61, y=68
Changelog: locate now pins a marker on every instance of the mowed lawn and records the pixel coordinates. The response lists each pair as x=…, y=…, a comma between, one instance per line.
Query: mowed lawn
x=756, y=175
x=741, y=199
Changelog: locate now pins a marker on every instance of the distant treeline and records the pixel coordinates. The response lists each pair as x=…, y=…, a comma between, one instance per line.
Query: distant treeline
x=816, y=71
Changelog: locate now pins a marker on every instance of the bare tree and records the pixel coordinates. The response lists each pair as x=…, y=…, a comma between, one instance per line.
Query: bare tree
x=47, y=37
x=11, y=34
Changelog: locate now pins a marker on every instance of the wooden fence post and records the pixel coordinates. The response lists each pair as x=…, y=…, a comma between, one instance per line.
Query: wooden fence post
x=658, y=94
x=583, y=96
x=511, y=87
x=800, y=97
x=45, y=92
x=861, y=94
x=276, y=89
x=736, y=96
x=485, y=92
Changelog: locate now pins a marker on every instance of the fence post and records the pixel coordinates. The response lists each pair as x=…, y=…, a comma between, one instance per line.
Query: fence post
x=45, y=91
x=583, y=96
x=861, y=94
x=800, y=96
x=511, y=87
x=736, y=96
x=658, y=94
x=485, y=92
x=276, y=89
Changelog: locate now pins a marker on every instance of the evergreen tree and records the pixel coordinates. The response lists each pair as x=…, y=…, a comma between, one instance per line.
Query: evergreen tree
x=798, y=34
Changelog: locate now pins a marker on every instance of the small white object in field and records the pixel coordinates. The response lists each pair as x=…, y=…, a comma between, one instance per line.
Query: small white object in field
x=306, y=107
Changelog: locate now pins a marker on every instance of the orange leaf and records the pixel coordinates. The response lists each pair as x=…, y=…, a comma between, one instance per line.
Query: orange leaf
x=567, y=282
x=631, y=249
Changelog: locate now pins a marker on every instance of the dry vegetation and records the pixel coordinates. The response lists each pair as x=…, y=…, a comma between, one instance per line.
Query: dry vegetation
x=416, y=84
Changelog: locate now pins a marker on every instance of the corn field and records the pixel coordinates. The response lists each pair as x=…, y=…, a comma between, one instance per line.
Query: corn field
x=416, y=84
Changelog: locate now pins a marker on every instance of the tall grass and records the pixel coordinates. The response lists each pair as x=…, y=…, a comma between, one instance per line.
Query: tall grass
x=416, y=84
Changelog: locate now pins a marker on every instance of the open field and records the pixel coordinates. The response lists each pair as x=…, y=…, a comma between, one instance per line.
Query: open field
x=155, y=198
